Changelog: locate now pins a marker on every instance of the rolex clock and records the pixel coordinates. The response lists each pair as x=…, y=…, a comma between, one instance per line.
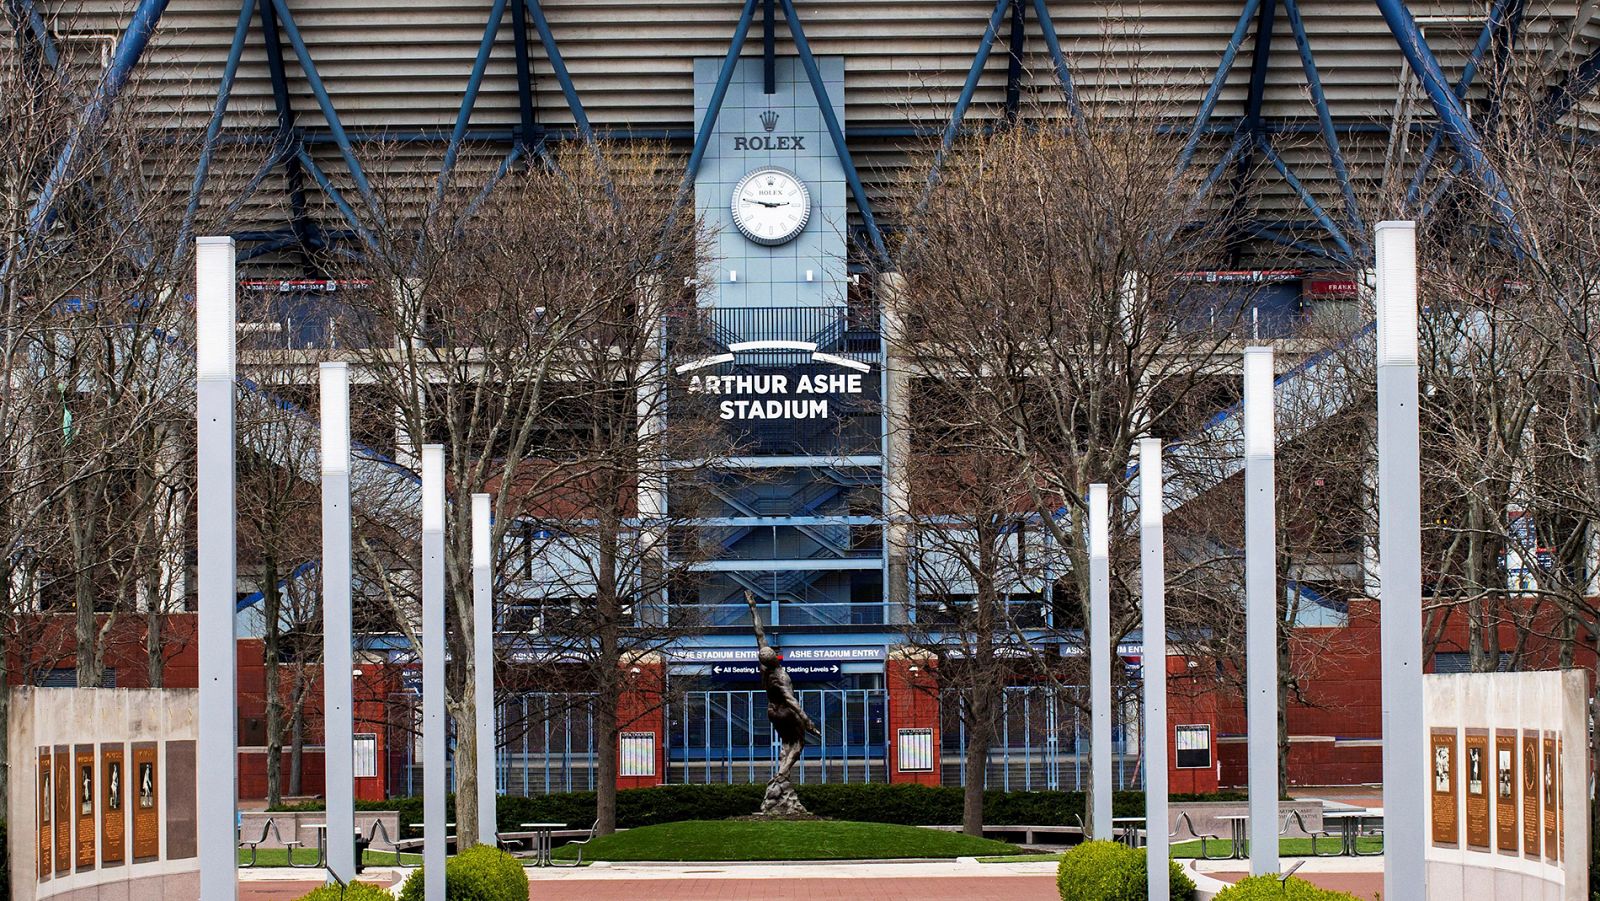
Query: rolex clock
x=771, y=205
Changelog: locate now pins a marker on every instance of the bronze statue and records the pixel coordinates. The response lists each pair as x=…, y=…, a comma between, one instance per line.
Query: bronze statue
x=788, y=719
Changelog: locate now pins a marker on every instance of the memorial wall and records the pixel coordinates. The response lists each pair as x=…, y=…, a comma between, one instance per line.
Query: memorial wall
x=103, y=782
x=1508, y=774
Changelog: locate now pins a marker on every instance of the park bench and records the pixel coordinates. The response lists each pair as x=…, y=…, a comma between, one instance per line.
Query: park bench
x=578, y=843
x=1205, y=837
x=1295, y=817
x=269, y=826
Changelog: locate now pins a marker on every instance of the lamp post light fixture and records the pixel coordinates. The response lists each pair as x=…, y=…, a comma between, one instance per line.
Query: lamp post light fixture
x=338, y=719
x=433, y=657
x=483, y=663
x=1152, y=583
x=216, y=545
x=1100, y=660
x=1400, y=564
x=1261, y=609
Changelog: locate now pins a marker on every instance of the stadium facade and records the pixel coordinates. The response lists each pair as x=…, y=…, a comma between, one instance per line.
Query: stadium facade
x=796, y=120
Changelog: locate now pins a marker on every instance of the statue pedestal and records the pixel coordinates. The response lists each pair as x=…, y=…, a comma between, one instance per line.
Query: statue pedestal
x=781, y=801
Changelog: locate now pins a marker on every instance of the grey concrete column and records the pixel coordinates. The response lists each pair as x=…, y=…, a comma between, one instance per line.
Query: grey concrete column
x=1100, y=661
x=483, y=662
x=338, y=719
x=217, y=784
x=1261, y=608
x=1153, y=589
x=1400, y=555
x=434, y=784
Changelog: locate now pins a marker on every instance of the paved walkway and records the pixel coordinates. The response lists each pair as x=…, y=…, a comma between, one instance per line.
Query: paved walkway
x=1360, y=876
x=942, y=881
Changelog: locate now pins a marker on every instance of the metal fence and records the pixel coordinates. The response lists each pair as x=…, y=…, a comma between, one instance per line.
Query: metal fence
x=547, y=740
x=1042, y=741
x=725, y=736
x=547, y=743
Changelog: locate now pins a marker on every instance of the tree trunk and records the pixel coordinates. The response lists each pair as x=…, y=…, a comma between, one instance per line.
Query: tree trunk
x=271, y=649
x=297, y=733
x=606, y=736
x=980, y=716
x=466, y=765
x=155, y=660
x=608, y=672
x=81, y=527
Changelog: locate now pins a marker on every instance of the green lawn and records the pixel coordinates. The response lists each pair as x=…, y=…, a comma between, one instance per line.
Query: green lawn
x=1288, y=847
x=305, y=857
x=783, y=840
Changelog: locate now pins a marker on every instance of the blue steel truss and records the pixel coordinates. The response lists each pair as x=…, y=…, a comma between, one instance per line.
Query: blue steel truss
x=1252, y=133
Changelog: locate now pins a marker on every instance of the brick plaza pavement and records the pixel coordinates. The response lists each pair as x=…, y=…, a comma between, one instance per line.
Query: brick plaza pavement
x=816, y=882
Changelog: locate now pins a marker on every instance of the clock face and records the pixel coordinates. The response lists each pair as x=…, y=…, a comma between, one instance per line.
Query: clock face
x=771, y=205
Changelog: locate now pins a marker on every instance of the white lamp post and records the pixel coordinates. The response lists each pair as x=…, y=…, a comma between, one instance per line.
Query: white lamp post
x=217, y=784
x=1261, y=609
x=433, y=715
x=1152, y=582
x=483, y=662
x=338, y=721
x=1400, y=559
x=1100, y=660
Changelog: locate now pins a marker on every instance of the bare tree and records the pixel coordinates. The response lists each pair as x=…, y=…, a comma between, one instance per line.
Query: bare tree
x=1046, y=284
x=516, y=328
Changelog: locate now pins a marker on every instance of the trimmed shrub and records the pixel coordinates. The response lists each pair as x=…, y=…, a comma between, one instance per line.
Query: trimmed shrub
x=476, y=874
x=357, y=891
x=1267, y=888
x=1110, y=871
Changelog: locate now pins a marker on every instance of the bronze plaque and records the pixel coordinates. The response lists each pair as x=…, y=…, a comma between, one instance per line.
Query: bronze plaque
x=146, y=803
x=1506, y=829
x=1446, y=827
x=1477, y=772
x=1530, y=795
x=1552, y=799
x=83, y=800
x=47, y=805
x=63, y=803
x=113, y=819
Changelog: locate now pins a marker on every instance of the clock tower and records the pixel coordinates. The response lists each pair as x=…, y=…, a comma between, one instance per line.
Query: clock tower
x=772, y=188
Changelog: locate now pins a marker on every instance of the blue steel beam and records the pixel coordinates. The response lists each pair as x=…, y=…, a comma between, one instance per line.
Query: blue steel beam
x=286, y=143
x=469, y=99
x=769, y=47
x=1058, y=60
x=525, y=114
x=559, y=67
x=130, y=47
x=970, y=86
x=1574, y=87
x=1019, y=25
x=1209, y=103
x=835, y=130
x=308, y=67
x=1458, y=127
x=333, y=193
x=24, y=11
x=1250, y=125
x=1306, y=198
x=1330, y=136
x=719, y=92
x=1463, y=84
x=208, y=145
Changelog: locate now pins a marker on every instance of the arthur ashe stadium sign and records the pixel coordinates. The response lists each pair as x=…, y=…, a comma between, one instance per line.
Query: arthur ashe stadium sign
x=798, y=393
